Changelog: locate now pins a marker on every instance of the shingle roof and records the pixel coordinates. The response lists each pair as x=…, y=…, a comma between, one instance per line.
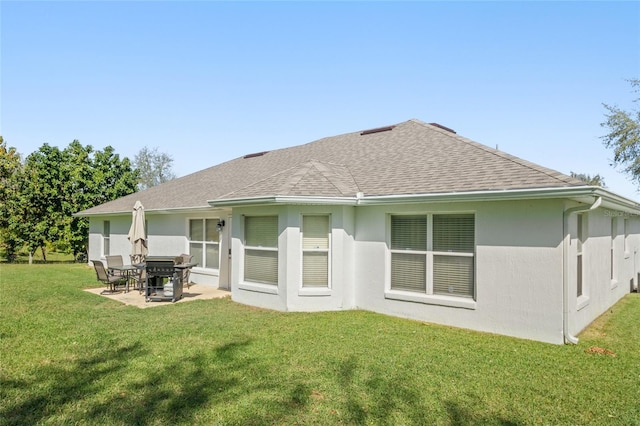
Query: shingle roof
x=412, y=157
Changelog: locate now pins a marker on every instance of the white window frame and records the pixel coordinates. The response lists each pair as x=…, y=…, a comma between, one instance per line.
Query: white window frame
x=428, y=297
x=614, y=252
x=582, y=228
x=106, y=237
x=257, y=284
x=202, y=262
x=315, y=290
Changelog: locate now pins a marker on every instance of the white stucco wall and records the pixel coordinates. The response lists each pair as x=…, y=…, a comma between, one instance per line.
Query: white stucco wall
x=518, y=269
x=600, y=292
x=167, y=236
x=289, y=295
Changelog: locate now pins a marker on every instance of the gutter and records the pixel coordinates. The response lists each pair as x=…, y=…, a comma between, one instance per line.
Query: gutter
x=568, y=337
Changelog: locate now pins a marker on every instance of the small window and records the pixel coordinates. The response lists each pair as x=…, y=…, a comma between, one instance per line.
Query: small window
x=204, y=243
x=614, y=234
x=106, y=238
x=315, y=251
x=579, y=244
x=261, y=249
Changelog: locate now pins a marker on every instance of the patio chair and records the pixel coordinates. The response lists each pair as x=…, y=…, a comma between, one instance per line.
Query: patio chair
x=111, y=281
x=115, y=260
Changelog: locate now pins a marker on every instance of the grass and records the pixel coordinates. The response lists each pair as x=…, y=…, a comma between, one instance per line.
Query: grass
x=70, y=357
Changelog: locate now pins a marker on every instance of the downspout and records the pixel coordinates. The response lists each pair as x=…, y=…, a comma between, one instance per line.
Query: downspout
x=568, y=338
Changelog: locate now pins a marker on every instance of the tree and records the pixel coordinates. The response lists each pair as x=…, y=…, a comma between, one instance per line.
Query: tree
x=595, y=180
x=55, y=184
x=154, y=167
x=624, y=136
x=10, y=167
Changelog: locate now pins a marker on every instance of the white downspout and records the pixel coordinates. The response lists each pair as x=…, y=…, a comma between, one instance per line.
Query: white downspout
x=568, y=338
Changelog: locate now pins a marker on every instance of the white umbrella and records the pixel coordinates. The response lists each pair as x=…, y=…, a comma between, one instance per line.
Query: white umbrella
x=137, y=235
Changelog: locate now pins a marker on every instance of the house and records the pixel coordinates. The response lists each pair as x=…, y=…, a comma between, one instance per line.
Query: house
x=410, y=220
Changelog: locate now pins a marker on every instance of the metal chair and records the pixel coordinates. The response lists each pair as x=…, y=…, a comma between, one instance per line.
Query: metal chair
x=115, y=260
x=111, y=281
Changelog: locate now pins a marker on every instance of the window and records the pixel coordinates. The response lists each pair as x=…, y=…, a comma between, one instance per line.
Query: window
x=315, y=251
x=448, y=245
x=579, y=242
x=204, y=243
x=106, y=238
x=614, y=232
x=261, y=249
x=626, y=235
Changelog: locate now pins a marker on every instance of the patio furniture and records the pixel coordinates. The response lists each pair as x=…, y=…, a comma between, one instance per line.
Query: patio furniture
x=111, y=281
x=115, y=261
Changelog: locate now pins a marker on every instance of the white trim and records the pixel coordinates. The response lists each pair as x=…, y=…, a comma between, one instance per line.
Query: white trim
x=430, y=299
x=259, y=288
x=314, y=291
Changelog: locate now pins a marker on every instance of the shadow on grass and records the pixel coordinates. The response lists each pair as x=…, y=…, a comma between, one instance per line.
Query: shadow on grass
x=196, y=389
x=55, y=386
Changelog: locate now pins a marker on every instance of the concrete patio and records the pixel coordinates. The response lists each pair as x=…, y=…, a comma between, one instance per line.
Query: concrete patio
x=135, y=298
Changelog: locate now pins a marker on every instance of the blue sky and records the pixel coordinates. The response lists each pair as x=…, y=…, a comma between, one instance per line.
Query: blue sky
x=206, y=82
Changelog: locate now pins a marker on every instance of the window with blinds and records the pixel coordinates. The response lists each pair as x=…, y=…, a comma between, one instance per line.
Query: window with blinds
x=453, y=259
x=315, y=251
x=408, y=253
x=261, y=249
x=204, y=243
x=445, y=242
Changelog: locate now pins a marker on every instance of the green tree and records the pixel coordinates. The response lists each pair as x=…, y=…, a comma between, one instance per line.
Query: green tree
x=55, y=184
x=10, y=167
x=154, y=167
x=624, y=136
x=595, y=180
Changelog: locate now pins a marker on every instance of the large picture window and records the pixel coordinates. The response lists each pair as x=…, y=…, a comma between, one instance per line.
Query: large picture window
x=315, y=251
x=444, y=242
x=204, y=243
x=261, y=249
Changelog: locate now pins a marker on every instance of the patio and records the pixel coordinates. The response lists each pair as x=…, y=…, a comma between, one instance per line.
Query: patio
x=135, y=298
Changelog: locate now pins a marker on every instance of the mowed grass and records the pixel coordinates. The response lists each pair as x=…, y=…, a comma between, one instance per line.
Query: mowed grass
x=71, y=357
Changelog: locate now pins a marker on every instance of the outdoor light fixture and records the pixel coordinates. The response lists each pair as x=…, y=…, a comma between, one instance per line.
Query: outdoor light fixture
x=220, y=225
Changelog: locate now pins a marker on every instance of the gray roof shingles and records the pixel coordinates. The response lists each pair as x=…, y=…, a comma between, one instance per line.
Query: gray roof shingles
x=412, y=158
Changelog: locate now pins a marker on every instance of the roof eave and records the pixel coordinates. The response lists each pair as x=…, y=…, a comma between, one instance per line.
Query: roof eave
x=284, y=199
x=575, y=193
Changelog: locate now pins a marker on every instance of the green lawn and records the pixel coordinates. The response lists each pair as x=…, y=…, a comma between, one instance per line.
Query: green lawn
x=71, y=357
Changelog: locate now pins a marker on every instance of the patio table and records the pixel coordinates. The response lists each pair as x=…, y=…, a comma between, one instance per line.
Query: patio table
x=126, y=270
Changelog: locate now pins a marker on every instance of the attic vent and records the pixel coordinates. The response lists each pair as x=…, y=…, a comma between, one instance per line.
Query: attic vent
x=443, y=127
x=257, y=154
x=377, y=130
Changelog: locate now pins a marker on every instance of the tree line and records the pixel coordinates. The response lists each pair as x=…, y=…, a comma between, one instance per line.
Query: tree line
x=40, y=193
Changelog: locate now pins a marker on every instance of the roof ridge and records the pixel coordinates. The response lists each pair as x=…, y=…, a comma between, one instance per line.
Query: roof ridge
x=554, y=174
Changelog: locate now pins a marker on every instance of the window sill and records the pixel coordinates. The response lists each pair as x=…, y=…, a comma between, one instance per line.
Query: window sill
x=259, y=288
x=314, y=291
x=428, y=299
x=205, y=271
x=583, y=301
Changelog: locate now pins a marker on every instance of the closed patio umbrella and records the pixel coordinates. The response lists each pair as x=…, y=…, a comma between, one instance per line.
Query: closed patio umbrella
x=137, y=235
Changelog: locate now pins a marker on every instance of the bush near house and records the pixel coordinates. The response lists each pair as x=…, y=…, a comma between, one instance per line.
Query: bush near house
x=71, y=357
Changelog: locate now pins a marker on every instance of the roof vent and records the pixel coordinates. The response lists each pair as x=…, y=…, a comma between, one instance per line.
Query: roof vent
x=257, y=154
x=377, y=130
x=443, y=127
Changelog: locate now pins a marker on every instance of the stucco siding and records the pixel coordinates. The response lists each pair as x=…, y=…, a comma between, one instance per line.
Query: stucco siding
x=289, y=294
x=602, y=285
x=518, y=269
